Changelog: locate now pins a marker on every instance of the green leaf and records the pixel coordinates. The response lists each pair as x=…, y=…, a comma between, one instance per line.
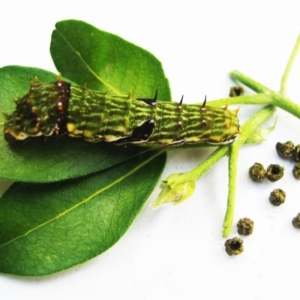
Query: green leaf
x=105, y=61
x=45, y=228
x=53, y=159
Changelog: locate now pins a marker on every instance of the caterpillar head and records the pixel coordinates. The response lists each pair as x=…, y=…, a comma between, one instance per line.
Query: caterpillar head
x=14, y=128
x=40, y=112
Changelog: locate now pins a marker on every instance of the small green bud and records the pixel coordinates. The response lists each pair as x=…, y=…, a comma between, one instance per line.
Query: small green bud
x=175, y=190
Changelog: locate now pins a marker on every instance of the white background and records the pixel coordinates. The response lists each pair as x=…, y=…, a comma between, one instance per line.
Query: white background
x=177, y=252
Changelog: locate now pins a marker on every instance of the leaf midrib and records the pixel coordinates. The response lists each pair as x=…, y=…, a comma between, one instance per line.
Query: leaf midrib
x=86, y=200
x=109, y=86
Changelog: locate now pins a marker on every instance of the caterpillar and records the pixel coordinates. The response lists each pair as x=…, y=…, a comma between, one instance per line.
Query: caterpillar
x=57, y=108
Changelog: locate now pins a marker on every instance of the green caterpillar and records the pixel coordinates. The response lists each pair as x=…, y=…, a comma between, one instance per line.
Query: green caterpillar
x=61, y=108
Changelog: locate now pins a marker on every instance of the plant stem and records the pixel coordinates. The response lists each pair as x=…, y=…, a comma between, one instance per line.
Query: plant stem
x=179, y=187
x=285, y=104
x=200, y=170
x=289, y=66
x=275, y=98
x=258, y=99
x=247, y=129
x=249, y=82
x=232, y=168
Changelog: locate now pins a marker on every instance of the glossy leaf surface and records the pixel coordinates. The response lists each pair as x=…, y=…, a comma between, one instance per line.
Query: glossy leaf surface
x=106, y=62
x=45, y=228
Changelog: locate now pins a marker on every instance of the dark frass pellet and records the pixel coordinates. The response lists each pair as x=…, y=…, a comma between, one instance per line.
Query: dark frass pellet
x=296, y=221
x=285, y=150
x=296, y=170
x=234, y=246
x=257, y=172
x=236, y=91
x=277, y=197
x=296, y=153
x=245, y=226
x=274, y=172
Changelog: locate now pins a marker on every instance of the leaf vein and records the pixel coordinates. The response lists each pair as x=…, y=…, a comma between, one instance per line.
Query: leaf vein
x=86, y=200
x=109, y=86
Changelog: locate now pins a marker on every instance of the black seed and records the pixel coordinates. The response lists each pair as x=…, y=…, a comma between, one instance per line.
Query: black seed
x=236, y=91
x=234, y=246
x=245, y=226
x=296, y=153
x=296, y=170
x=257, y=172
x=277, y=197
x=274, y=172
x=285, y=150
x=296, y=221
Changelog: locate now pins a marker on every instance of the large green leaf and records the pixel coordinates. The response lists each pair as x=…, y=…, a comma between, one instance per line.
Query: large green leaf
x=45, y=228
x=105, y=61
x=52, y=159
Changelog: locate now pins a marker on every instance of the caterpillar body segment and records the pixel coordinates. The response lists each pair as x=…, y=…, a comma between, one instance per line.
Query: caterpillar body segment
x=61, y=108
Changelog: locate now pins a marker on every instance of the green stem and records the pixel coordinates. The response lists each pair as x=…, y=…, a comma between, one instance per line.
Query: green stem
x=232, y=167
x=247, y=129
x=249, y=82
x=179, y=187
x=200, y=170
x=275, y=98
x=285, y=104
x=289, y=66
x=258, y=99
